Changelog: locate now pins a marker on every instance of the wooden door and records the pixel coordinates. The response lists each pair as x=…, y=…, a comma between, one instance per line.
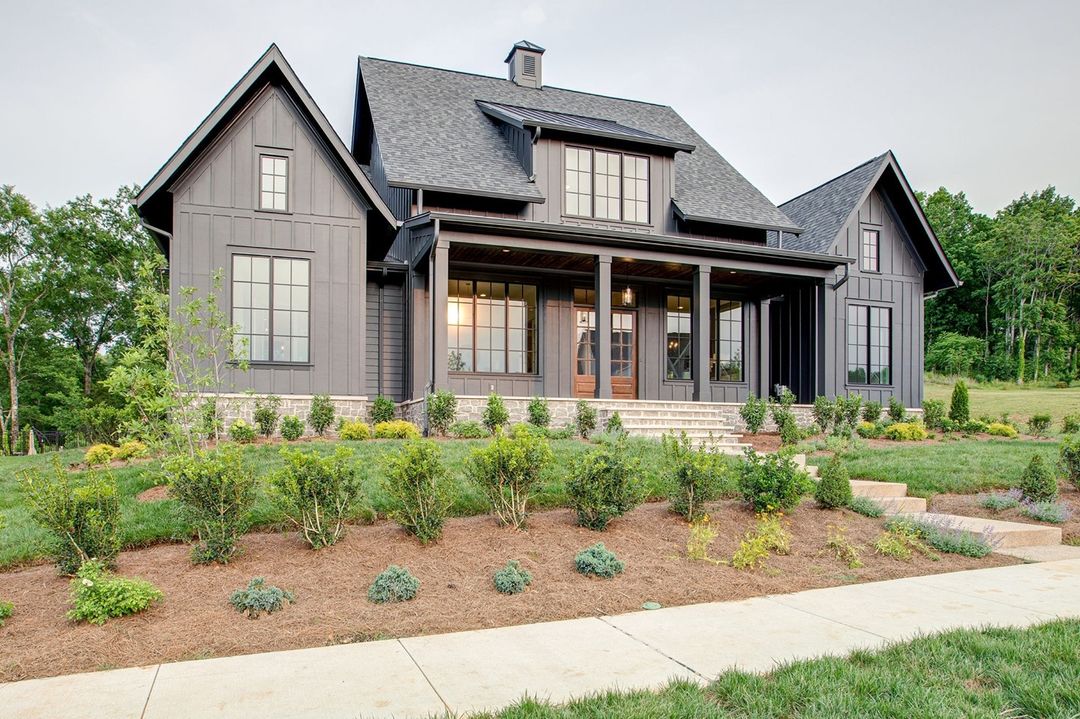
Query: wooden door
x=584, y=352
x=623, y=353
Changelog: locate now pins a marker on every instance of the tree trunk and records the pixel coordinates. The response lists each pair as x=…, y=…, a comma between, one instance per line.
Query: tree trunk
x=88, y=377
x=13, y=392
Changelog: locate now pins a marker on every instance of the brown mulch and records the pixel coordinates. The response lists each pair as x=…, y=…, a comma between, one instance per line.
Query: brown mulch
x=968, y=505
x=762, y=441
x=154, y=494
x=195, y=619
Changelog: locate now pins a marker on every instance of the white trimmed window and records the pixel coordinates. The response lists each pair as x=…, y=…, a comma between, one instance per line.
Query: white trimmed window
x=273, y=183
x=871, y=250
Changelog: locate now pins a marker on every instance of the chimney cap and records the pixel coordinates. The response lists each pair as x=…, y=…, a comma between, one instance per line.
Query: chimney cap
x=523, y=45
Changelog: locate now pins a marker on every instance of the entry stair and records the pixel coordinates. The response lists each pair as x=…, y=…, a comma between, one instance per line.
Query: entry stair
x=703, y=423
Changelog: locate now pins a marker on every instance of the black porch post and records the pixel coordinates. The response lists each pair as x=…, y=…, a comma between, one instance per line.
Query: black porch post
x=764, y=362
x=440, y=301
x=602, y=284
x=699, y=314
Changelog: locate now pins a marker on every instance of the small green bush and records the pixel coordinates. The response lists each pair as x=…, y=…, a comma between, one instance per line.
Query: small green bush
x=1038, y=483
x=753, y=413
x=974, y=426
x=512, y=579
x=598, y=561
x=614, y=424
x=216, y=490
x=257, y=598
x=767, y=535
x=1038, y=424
x=824, y=413
x=1070, y=459
x=1070, y=424
x=870, y=430
x=508, y=470
x=80, y=512
x=697, y=476
x=959, y=410
x=382, y=410
x=98, y=596
x=495, y=413
x=397, y=429
x=317, y=493
x=897, y=411
x=468, y=429
x=1000, y=429
x=266, y=414
x=934, y=413
x=906, y=432
x=538, y=412
x=834, y=489
x=872, y=412
x=848, y=411
x=585, y=419
x=866, y=507
x=321, y=414
x=99, y=454
x=241, y=432
x=1053, y=512
x=1000, y=501
x=292, y=428
x=772, y=482
x=567, y=431
x=354, y=430
x=131, y=449
x=416, y=480
x=441, y=411
x=603, y=486
x=943, y=536
x=6, y=609
x=394, y=584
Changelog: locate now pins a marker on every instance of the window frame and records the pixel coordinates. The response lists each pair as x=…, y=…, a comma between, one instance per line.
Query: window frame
x=668, y=294
x=534, y=349
x=714, y=339
x=270, y=257
x=864, y=231
x=867, y=311
x=621, y=200
x=276, y=154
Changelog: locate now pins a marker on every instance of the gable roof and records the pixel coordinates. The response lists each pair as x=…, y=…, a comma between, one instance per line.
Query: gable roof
x=826, y=209
x=271, y=66
x=432, y=134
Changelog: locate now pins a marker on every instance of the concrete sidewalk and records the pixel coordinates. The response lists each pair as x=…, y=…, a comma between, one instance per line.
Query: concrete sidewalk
x=468, y=671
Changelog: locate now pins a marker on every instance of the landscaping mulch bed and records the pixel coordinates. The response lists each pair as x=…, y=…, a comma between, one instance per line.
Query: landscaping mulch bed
x=196, y=621
x=968, y=505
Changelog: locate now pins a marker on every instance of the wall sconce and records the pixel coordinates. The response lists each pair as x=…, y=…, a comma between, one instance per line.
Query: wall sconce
x=627, y=297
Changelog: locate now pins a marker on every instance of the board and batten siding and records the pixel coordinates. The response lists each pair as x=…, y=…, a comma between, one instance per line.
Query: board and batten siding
x=899, y=286
x=386, y=339
x=215, y=216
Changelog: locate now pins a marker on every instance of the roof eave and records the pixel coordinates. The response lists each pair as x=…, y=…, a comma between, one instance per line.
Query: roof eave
x=686, y=217
x=537, y=199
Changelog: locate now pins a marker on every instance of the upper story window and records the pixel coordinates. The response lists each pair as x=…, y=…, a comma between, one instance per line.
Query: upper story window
x=606, y=185
x=273, y=183
x=871, y=250
x=271, y=307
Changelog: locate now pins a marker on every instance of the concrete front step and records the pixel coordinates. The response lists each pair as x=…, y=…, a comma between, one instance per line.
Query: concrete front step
x=900, y=505
x=673, y=413
x=1003, y=535
x=865, y=488
x=692, y=434
x=678, y=423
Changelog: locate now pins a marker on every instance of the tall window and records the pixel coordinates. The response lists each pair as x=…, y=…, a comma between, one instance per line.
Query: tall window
x=679, y=340
x=491, y=327
x=271, y=308
x=869, y=345
x=727, y=340
x=273, y=183
x=871, y=250
x=607, y=185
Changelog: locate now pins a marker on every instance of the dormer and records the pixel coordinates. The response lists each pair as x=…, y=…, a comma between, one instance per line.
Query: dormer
x=524, y=64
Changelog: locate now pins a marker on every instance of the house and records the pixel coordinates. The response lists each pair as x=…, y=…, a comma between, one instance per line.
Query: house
x=487, y=234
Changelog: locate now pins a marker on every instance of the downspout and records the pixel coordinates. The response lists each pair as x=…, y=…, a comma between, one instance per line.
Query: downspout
x=431, y=308
x=382, y=291
x=156, y=230
x=844, y=279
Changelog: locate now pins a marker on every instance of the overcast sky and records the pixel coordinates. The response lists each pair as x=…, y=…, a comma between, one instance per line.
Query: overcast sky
x=981, y=96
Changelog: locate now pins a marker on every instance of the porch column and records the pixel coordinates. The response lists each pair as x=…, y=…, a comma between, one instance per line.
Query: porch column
x=699, y=317
x=440, y=281
x=764, y=363
x=602, y=285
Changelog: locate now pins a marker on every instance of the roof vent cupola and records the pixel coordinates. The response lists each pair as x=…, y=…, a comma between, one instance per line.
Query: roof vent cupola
x=524, y=63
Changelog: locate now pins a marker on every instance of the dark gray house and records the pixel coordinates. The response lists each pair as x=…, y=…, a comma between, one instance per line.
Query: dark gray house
x=488, y=234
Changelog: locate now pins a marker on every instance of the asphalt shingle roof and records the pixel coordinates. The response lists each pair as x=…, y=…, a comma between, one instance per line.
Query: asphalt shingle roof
x=432, y=133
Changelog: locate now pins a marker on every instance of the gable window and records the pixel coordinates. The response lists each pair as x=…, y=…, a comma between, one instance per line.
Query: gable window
x=871, y=250
x=679, y=339
x=491, y=327
x=869, y=340
x=273, y=183
x=726, y=322
x=271, y=308
x=606, y=185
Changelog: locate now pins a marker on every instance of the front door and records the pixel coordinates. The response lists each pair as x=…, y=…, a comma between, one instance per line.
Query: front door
x=623, y=353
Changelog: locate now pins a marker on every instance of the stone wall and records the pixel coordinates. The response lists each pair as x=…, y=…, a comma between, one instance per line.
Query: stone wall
x=242, y=406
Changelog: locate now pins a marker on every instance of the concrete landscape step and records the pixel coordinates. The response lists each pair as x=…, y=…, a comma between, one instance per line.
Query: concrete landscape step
x=866, y=488
x=900, y=505
x=1003, y=534
x=678, y=422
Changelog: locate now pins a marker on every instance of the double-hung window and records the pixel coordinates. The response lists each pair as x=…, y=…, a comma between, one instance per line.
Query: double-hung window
x=271, y=308
x=606, y=185
x=869, y=341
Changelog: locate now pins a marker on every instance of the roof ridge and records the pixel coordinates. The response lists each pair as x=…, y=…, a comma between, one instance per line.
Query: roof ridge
x=861, y=165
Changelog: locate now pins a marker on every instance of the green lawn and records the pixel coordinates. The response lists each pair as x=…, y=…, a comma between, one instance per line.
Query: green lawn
x=1019, y=401
x=987, y=674
x=144, y=523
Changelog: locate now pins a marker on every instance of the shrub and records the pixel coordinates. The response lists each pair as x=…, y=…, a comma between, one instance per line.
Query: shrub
x=6, y=609
x=897, y=411
x=512, y=579
x=1000, y=429
x=841, y=547
x=974, y=426
x=753, y=413
x=97, y=595
x=869, y=430
x=614, y=424
x=697, y=476
x=944, y=536
x=834, y=488
x=317, y=492
x=99, y=454
x=1070, y=424
x=508, y=470
x=824, y=412
x=872, y=412
x=598, y=561
x=382, y=410
x=216, y=490
x=906, y=432
x=959, y=410
x=1053, y=512
x=768, y=535
x=933, y=413
x=1070, y=459
x=585, y=419
x=468, y=429
x=701, y=538
x=567, y=431
x=602, y=485
x=441, y=411
x=784, y=418
x=538, y=412
x=266, y=414
x=416, y=481
x=495, y=414
x=1038, y=424
x=321, y=413
x=771, y=482
x=848, y=410
x=292, y=428
x=83, y=515
x=1038, y=483
x=900, y=540
x=131, y=449
x=257, y=598
x=397, y=429
x=210, y=421
x=241, y=432
x=354, y=430
x=1000, y=501
x=866, y=507
x=394, y=584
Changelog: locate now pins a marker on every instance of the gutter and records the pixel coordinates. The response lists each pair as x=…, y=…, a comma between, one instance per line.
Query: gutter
x=158, y=232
